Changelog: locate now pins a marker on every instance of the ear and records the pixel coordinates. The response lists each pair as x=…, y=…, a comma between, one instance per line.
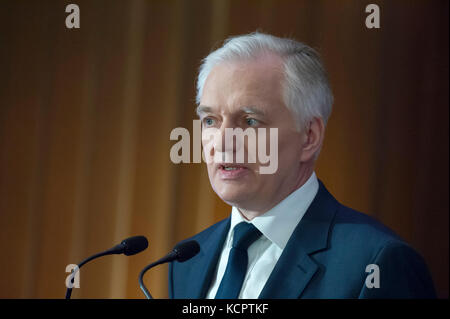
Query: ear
x=312, y=139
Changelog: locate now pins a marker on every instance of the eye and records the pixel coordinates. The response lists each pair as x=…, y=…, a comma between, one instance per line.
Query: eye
x=251, y=121
x=207, y=121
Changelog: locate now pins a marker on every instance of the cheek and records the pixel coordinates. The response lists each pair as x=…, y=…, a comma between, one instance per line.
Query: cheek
x=289, y=151
x=210, y=172
x=208, y=146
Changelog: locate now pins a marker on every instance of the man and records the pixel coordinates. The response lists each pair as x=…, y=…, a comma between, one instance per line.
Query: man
x=287, y=237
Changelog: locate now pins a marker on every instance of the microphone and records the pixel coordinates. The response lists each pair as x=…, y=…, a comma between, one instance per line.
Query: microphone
x=181, y=252
x=128, y=247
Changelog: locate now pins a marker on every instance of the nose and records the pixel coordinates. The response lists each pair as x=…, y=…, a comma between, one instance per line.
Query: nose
x=224, y=146
x=215, y=145
x=225, y=140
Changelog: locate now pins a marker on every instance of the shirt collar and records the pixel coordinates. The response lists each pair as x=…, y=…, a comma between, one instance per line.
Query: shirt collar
x=278, y=223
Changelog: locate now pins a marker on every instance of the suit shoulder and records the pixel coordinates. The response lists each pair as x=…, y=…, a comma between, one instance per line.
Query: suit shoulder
x=353, y=226
x=357, y=240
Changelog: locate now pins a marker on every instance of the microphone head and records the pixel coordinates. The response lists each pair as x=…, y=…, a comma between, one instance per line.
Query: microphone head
x=134, y=245
x=186, y=250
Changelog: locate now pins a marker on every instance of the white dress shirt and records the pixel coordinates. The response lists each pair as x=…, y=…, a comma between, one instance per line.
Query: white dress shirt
x=276, y=226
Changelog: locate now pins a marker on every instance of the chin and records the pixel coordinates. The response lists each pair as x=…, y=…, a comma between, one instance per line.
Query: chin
x=233, y=197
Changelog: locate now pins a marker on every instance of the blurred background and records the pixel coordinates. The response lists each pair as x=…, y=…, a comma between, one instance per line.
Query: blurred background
x=85, y=118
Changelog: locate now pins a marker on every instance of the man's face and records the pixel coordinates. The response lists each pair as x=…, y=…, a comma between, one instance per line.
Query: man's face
x=249, y=95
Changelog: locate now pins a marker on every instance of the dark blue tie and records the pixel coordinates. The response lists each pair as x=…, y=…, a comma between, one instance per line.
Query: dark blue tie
x=230, y=286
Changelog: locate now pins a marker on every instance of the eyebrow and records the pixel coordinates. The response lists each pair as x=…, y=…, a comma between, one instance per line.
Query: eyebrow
x=252, y=110
x=246, y=109
x=203, y=109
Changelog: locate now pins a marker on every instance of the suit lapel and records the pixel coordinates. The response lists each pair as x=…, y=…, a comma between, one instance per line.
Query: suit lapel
x=206, y=262
x=295, y=268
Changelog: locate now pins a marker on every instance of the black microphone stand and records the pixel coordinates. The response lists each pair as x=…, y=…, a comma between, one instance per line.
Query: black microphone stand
x=113, y=250
x=181, y=252
x=169, y=257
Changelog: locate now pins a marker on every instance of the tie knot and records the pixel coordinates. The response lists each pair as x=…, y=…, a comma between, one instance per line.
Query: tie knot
x=244, y=235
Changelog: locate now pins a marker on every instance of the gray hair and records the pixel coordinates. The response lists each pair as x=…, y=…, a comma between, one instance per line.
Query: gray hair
x=307, y=92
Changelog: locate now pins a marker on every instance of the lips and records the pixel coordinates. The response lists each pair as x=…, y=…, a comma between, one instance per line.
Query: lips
x=231, y=171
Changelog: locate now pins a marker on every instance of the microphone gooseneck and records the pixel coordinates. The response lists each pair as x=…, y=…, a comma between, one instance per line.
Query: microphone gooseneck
x=181, y=252
x=128, y=247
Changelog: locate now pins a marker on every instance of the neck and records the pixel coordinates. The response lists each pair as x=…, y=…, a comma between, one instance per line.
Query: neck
x=303, y=176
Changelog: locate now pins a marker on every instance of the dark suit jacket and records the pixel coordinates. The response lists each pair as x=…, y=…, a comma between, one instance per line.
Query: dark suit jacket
x=326, y=257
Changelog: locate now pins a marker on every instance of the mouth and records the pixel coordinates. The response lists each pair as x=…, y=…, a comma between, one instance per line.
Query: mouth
x=231, y=171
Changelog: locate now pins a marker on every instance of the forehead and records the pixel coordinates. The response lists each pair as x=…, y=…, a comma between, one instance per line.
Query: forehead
x=256, y=83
